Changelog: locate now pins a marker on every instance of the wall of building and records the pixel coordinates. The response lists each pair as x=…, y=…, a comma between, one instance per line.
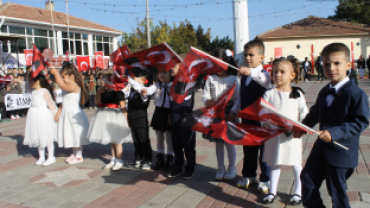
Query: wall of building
x=289, y=46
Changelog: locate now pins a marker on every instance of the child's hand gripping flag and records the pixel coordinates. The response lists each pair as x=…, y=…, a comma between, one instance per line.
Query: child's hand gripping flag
x=38, y=62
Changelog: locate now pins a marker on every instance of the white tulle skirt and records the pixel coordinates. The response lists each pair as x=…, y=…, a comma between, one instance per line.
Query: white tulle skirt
x=41, y=128
x=109, y=125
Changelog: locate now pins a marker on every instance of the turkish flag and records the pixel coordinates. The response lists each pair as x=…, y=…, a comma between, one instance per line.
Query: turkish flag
x=118, y=55
x=158, y=58
x=28, y=53
x=116, y=82
x=4, y=81
x=202, y=119
x=197, y=65
x=38, y=62
x=268, y=68
x=263, y=111
x=99, y=59
x=83, y=63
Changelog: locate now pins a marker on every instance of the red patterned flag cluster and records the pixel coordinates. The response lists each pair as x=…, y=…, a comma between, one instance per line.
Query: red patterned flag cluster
x=157, y=58
x=38, y=62
x=196, y=66
x=116, y=82
x=117, y=59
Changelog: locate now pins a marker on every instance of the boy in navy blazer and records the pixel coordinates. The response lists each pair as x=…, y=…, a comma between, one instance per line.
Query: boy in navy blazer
x=342, y=109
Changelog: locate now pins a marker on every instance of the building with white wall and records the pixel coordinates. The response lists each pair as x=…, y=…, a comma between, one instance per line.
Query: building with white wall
x=36, y=25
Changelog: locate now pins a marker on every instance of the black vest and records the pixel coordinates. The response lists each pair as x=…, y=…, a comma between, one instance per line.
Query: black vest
x=248, y=95
x=137, y=108
x=177, y=111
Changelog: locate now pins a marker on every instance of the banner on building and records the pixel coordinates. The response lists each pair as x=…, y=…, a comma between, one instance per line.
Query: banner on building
x=83, y=63
x=17, y=101
x=28, y=53
x=99, y=59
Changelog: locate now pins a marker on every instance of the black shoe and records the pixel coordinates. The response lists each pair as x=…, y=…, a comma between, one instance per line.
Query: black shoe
x=188, y=174
x=160, y=162
x=147, y=165
x=169, y=163
x=174, y=173
x=135, y=163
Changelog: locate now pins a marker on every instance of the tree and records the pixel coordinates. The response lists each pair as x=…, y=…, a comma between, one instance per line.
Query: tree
x=356, y=11
x=204, y=39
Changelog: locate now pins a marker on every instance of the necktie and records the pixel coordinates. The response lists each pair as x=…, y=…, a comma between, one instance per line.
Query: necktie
x=331, y=91
x=164, y=95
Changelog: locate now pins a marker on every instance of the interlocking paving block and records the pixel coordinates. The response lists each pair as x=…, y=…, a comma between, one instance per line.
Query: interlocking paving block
x=55, y=173
x=360, y=205
x=365, y=197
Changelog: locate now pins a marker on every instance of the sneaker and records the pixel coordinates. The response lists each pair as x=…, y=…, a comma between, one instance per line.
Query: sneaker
x=12, y=117
x=109, y=165
x=159, y=164
x=70, y=158
x=220, y=173
x=174, y=173
x=75, y=160
x=169, y=163
x=49, y=161
x=17, y=116
x=188, y=174
x=118, y=165
x=135, y=164
x=246, y=182
x=263, y=187
x=146, y=166
x=230, y=174
x=40, y=161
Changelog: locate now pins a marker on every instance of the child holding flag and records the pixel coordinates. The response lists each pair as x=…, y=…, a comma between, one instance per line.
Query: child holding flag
x=284, y=149
x=72, y=120
x=41, y=129
x=214, y=87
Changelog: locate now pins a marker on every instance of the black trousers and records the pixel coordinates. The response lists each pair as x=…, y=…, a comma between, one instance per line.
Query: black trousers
x=3, y=110
x=92, y=101
x=140, y=135
x=306, y=75
x=320, y=70
x=312, y=176
x=251, y=160
x=183, y=143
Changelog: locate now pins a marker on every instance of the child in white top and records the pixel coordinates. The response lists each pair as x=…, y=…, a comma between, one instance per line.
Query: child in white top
x=73, y=124
x=214, y=87
x=284, y=149
x=41, y=129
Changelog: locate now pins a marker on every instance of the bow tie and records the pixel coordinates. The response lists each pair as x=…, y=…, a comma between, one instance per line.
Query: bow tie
x=331, y=91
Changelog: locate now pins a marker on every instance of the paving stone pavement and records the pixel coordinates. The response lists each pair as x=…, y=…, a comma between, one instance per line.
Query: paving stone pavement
x=22, y=184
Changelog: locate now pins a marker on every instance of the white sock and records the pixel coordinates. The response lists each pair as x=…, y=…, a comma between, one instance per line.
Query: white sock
x=231, y=153
x=160, y=141
x=274, y=178
x=220, y=153
x=41, y=153
x=169, y=143
x=79, y=152
x=119, y=161
x=297, y=181
x=50, y=151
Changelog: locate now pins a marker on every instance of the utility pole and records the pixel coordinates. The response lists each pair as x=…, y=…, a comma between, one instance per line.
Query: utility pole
x=241, y=28
x=148, y=24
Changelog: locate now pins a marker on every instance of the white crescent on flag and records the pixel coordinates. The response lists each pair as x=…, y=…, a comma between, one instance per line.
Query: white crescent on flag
x=199, y=61
x=29, y=55
x=138, y=64
x=98, y=57
x=165, y=53
x=83, y=64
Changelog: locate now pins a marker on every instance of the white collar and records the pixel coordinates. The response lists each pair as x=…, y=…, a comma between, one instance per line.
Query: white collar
x=259, y=68
x=340, y=84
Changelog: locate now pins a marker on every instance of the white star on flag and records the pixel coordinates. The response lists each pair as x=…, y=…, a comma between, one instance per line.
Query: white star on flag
x=211, y=111
x=146, y=62
x=191, y=76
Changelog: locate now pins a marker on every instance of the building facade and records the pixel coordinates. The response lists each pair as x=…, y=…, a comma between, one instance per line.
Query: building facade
x=49, y=29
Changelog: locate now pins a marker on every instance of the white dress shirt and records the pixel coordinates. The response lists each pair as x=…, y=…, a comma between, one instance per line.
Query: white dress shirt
x=159, y=94
x=330, y=98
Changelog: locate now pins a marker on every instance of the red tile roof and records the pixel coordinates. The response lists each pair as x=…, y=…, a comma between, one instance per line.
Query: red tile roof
x=42, y=15
x=315, y=26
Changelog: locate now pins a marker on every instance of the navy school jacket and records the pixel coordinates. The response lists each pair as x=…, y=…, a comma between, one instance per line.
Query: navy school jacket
x=345, y=119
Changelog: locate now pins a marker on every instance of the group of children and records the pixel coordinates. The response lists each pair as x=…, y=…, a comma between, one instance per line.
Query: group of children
x=122, y=115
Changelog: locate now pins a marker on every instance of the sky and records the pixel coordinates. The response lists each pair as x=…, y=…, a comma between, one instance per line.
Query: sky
x=122, y=15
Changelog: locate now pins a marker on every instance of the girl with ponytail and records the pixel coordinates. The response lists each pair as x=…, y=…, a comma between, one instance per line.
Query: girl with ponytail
x=72, y=120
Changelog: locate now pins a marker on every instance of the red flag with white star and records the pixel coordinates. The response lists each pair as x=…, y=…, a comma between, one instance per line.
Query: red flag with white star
x=196, y=66
x=202, y=119
x=158, y=58
x=38, y=62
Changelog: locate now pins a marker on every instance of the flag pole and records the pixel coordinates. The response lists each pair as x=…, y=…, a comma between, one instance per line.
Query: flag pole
x=148, y=24
x=69, y=42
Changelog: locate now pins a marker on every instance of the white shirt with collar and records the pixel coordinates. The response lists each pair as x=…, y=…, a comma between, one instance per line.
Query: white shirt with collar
x=159, y=95
x=330, y=98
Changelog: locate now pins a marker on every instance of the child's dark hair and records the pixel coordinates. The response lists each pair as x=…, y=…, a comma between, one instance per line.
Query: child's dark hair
x=44, y=83
x=336, y=48
x=295, y=66
x=71, y=70
x=256, y=43
x=221, y=54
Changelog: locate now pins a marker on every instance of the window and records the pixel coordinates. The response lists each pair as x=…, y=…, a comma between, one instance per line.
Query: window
x=65, y=46
x=29, y=42
x=21, y=46
x=99, y=46
x=104, y=44
x=78, y=47
x=17, y=30
x=5, y=46
x=29, y=31
x=86, y=49
x=106, y=49
x=77, y=36
x=41, y=43
x=37, y=32
x=72, y=47
x=84, y=37
x=4, y=28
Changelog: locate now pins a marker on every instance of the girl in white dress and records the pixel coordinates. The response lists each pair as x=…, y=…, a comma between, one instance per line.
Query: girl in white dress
x=72, y=120
x=285, y=149
x=41, y=129
x=214, y=87
x=109, y=124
